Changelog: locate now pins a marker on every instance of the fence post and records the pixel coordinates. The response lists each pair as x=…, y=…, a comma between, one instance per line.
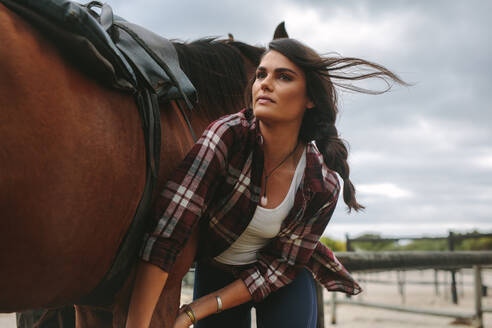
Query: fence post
x=436, y=283
x=446, y=284
x=321, y=306
x=453, y=272
x=478, y=296
x=333, y=308
x=400, y=277
x=462, y=284
x=347, y=243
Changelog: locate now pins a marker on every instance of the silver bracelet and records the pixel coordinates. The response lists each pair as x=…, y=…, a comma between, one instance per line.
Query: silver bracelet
x=219, y=303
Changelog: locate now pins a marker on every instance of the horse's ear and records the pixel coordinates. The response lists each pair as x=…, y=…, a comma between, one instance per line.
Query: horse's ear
x=231, y=37
x=280, y=31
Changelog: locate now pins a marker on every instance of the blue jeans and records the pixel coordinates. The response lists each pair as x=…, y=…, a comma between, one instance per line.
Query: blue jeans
x=294, y=305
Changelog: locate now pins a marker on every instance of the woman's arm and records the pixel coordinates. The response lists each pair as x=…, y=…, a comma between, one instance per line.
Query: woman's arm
x=149, y=282
x=184, y=200
x=231, y=295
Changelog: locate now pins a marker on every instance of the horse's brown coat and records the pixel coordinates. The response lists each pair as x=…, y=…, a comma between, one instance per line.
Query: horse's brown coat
x=66, y=145
x=72, y=170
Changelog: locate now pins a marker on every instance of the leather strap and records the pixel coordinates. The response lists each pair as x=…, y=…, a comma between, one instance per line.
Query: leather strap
x=188, y=123
x=105, y=17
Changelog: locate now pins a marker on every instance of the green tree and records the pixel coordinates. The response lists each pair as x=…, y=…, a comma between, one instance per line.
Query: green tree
x=475, y=244
x=374, y=245
x=426, y=245
x=333, y=244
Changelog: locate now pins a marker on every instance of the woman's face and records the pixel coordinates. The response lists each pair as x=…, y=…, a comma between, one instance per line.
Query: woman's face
x=279, y=91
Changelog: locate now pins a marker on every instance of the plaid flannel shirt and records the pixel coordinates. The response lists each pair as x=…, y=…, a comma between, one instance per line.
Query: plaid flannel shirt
x=219, y=184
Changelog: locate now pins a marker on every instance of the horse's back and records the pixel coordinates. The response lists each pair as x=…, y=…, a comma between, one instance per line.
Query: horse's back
x=72, y=172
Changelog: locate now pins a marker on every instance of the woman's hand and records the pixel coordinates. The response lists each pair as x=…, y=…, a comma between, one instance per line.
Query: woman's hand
x=232, y=295
x=182, y=320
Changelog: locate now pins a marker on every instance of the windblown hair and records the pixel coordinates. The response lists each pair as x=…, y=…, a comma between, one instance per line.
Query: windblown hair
x=323, y=74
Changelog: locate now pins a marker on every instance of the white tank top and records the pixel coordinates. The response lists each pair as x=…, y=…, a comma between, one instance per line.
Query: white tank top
x=264, y=225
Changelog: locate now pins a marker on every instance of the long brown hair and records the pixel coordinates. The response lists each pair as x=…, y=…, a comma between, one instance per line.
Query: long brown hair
x=323, y=74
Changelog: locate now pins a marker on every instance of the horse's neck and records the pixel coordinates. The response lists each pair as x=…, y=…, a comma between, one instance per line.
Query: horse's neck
x=208, y=74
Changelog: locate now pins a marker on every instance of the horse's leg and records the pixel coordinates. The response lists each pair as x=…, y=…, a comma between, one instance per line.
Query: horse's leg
x=26, y=319
x=66, y=316
x=63, y=317
x=89, y=316
x=113, y=315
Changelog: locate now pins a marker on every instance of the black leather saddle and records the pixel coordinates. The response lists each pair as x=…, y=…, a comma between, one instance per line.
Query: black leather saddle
x=111, y=46
x=132, y=59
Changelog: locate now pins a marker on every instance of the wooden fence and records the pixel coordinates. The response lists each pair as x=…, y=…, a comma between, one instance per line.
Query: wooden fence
x=452, y=239
x=387, y=261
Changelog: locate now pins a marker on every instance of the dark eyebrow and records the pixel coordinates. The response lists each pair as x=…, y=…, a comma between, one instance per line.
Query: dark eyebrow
x=277, y=70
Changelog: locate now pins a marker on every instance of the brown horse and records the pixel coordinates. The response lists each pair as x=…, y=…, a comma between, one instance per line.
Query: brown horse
x=72, y=169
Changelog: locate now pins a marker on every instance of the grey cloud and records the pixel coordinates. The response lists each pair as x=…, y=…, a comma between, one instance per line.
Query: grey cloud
x=444, y=50
x=188, y=20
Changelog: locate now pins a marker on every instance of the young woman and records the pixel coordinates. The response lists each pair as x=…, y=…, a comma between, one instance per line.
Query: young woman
x=262, y=185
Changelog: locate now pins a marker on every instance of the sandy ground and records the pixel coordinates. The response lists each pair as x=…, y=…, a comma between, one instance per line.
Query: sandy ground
x=415, y=296
x=387, y=292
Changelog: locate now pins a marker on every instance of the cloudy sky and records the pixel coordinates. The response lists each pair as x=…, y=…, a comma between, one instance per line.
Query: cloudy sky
x=421, y=156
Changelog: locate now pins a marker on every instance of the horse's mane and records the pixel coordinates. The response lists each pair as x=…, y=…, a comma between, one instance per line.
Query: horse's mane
x=217, y=70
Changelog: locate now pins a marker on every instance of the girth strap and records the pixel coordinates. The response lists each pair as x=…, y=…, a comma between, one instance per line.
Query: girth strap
x=151, y=124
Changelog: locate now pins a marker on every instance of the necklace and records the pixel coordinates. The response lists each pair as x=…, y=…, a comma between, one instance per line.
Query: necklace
x=264, y=199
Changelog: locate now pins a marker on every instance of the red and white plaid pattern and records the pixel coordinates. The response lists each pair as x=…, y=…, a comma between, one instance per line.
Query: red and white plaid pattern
x=219, y=181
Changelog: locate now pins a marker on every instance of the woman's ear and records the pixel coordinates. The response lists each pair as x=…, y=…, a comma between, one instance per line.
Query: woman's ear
x=310, y=104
